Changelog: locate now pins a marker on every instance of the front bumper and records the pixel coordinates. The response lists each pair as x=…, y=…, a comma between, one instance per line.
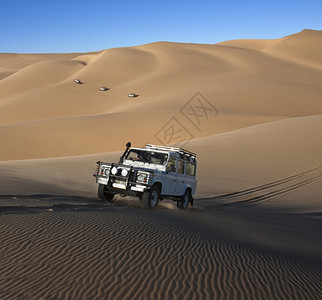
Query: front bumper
x=131, y=189
x=117, y=183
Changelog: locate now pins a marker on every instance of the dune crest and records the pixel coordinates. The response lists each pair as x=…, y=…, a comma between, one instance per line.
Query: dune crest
x=302, y=48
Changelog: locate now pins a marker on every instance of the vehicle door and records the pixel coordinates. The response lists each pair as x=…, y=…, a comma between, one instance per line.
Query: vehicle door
x=181, y=178
x=190, y=175
x=169, y=186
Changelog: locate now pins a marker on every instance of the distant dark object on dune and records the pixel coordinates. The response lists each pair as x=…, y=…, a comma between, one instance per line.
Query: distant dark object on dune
x=104, y=88
x=133, y=95
x=78, y=81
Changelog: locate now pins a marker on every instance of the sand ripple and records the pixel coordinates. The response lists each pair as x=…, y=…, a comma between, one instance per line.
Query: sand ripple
x=126, y=253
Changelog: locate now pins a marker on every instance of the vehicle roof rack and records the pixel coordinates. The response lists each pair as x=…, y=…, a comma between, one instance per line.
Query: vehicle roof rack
x=174, y=149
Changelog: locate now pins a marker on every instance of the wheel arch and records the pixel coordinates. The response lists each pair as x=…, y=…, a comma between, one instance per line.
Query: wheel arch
x=158, y=184
x=189, y=189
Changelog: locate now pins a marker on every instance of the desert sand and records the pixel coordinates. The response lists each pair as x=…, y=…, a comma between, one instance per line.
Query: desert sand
x=250, y=109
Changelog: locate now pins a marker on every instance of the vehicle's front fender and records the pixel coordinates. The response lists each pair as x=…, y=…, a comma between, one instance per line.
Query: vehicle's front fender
x=188, y=187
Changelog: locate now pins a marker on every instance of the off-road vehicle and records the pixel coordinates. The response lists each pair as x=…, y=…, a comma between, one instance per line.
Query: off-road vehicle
x=133, y=95
x=103, y=88
x=152, y=174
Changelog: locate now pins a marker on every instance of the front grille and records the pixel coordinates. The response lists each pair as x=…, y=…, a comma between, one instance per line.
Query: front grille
x=133, y=175
x=118, y=177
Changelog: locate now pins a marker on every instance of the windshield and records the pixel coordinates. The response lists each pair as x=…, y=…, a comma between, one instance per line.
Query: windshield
x=150, y=157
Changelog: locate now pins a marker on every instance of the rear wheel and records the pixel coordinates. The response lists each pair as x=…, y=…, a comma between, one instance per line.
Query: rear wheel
x=104, y=195
x=184, y=201
x=151, y=198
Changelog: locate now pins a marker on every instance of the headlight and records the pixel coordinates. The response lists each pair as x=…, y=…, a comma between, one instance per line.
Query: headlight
x=104, y=171
x=114, y=170
x=124, y=172
x=142, y=177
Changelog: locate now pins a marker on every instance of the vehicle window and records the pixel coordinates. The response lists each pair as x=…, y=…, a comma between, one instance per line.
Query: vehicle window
x=180, y=167
x=190, y=169
x=171, y=167
x=147, y=156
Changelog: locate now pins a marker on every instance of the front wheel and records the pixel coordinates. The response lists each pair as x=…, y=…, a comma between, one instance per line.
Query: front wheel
x=185, y=199
x=151, y=198
x=104, y=195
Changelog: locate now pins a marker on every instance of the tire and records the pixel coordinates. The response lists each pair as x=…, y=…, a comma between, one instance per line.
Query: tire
x=151, y=198
x=183, y=203
x=104, y=195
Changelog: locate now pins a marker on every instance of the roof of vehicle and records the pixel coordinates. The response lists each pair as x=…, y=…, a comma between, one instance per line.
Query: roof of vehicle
x=183, y=153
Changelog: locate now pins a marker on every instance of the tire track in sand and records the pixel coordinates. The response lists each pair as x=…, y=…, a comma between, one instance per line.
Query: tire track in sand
x=267, y=191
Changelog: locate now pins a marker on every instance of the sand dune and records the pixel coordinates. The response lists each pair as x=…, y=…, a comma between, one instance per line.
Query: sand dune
x=246, y=87
x=266, y=153
x=10, y=63
x=300, y=48
x=250, y=109
x=39, y=75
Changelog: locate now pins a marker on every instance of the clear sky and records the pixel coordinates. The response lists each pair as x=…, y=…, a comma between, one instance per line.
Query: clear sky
x=42, y=26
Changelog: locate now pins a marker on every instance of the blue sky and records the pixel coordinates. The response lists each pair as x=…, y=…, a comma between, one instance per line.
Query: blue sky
x=42, y=26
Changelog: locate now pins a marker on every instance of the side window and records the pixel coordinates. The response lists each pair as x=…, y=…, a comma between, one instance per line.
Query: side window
x=190, y=169
x=180, y=167
x=171, y=167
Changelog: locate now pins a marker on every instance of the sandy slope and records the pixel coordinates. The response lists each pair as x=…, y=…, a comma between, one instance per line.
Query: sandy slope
x=254, y=232
x=266, y=153
x=246, y=87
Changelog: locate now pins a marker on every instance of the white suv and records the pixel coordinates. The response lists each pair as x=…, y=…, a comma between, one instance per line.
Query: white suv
x=151, y=173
